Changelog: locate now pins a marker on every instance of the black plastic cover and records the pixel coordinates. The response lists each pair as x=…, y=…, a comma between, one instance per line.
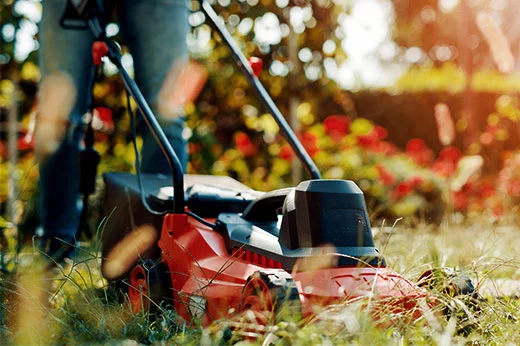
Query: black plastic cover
x=325, y=212
x=207, y=196
x=315, y=213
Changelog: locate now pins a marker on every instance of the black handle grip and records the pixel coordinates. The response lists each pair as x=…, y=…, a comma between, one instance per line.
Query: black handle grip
x=78, y=12
x=72, y=19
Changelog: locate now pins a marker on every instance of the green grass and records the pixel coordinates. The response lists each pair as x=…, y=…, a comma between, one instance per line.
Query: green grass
x=74, y=306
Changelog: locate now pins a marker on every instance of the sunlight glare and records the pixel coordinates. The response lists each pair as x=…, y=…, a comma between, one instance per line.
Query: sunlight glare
x=448, y=5
x=267, y=29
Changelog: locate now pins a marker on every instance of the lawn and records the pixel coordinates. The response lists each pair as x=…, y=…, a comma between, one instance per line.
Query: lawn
x=73, y=305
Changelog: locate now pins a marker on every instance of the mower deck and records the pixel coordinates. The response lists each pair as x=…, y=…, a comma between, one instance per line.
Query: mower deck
x=250, y=258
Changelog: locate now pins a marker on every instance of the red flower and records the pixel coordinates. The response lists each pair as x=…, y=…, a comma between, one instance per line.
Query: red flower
x=418, y=152
x=415, y=145
x=387, y=178
x=451, y=154
x=99, y=50
x=384, y=148
x=310, y=143
x=415, y=181
x=244, y=144
x=444, y=168
x=105, y=115
x=193, y=148
x=286, y=153
x=460, y=200
x=380, y=132
x=336, y=126
x=422, y=158
x=25, y=143
x=373, y=141
x=367, y=140
x=469, y=187
x=487, y=190
x=446, y=164
x=402, y=189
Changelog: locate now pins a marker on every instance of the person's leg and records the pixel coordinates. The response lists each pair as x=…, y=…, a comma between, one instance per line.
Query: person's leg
x=155, y=31
x=65, y=52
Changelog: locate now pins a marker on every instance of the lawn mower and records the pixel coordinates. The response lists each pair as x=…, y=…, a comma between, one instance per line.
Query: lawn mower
x=224, y=248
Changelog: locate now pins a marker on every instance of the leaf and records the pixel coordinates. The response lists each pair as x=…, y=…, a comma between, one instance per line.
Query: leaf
x=445, y=126
x=497, y=42
x=4, y=223
x=466, y=168
x=361, y=127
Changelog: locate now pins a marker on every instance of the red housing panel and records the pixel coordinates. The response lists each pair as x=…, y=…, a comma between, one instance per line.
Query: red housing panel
x=207, y=281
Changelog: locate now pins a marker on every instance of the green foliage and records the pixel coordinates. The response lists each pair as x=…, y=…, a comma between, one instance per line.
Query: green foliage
x=450, y=78
x=231, y=135
x=73, y=304
x=77, y=306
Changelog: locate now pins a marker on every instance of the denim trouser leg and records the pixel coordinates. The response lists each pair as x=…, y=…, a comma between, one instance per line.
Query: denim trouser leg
x=66, y=51
x=155, y=31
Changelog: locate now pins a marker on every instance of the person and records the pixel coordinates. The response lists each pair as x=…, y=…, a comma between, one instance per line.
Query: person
x=155, y=32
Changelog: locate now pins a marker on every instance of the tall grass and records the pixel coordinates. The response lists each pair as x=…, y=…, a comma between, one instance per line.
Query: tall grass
x=74, y=305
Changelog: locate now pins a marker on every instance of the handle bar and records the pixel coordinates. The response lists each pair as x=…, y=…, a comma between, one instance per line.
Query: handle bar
x=261, y=92
x=91, y=13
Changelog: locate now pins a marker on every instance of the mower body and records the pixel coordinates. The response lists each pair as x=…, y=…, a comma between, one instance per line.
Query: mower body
x=224, y=247
x=311, y=245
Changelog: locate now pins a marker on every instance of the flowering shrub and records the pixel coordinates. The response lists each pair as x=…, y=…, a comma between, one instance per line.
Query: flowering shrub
x=396, y=182
x=393, y=182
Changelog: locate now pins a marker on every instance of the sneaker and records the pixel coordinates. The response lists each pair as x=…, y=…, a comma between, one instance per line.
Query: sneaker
x=56, y=250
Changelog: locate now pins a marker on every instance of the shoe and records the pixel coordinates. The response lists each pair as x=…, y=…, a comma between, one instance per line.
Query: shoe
x=56, y=250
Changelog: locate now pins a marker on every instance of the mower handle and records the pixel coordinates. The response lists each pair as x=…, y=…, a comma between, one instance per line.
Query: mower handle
x=244, y=66
x=91, y=13
x=114, y=54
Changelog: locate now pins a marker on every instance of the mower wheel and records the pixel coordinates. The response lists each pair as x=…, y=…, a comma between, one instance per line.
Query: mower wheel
x=148, y=286
x=449, y=281
x=456, y=285
x=271, y=295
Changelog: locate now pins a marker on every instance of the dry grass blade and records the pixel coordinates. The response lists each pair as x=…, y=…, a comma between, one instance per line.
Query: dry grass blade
x=56, y=98
x=325, y=257
x=124, y=255
x=182, y=85
x=445, y=126
x=497, y=42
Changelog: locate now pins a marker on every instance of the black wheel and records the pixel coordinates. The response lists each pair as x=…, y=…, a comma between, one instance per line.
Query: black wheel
x=451, y=283
x=149, y=286
x=271, y=295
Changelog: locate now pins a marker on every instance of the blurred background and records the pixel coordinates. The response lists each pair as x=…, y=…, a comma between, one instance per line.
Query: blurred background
x=415, y=100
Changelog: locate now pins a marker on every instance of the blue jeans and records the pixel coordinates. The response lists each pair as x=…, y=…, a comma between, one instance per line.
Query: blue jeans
x=155, y=32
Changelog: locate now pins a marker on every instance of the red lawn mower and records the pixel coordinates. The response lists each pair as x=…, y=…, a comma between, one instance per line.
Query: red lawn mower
x=225, y=248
